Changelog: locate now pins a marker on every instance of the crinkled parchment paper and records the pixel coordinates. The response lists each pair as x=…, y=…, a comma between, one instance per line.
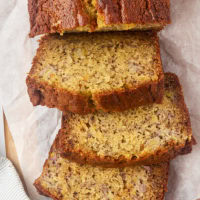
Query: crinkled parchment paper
x=34, y=129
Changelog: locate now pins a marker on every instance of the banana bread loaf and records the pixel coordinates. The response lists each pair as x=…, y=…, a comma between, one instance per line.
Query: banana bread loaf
x=62, y=179
x=48, y=16
x=111, y=71
x=146, y=135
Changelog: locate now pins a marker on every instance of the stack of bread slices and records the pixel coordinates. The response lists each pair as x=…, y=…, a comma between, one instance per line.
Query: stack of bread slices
x=124, y=119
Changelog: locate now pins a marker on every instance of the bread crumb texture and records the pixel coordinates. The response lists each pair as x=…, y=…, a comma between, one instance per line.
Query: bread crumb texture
x=99, y=70
x=48, y=16
x=131, y=135
x=98, y=62
x=63, y=180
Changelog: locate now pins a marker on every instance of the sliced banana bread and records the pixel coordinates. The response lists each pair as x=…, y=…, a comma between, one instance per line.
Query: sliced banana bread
x=85, y=72
x=146, y=135
x=62, y=179
x=47, y=16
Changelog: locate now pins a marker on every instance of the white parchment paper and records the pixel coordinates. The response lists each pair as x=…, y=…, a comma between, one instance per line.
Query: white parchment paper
x=34, y=129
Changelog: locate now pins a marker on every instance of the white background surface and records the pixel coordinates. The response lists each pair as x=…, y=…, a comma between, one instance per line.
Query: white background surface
x=2, y=136
x=34, y=129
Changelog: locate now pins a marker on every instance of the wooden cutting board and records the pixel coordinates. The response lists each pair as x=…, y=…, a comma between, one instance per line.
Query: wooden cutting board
x=11, y=150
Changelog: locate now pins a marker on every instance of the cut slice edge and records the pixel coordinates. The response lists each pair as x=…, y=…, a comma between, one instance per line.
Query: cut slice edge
x=157, y=177
x=162, y=154
x=115, y=99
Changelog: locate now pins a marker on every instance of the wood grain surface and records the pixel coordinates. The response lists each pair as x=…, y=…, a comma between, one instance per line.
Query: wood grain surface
x=11, y=151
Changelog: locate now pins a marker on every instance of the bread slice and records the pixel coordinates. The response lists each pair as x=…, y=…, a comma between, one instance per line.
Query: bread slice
x=62, y=179
x=146, y=135
x=111, y=71
x=48, y=16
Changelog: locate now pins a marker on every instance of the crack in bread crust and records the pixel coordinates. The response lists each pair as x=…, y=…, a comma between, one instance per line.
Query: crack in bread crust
x=51, y=17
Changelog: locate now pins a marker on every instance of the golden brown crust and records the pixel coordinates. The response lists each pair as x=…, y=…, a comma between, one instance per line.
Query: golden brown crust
x=50, y=17
x=165, y=183
x=130, y=98
x=44, y=94
x=161, y=155
x=43, y=191
x=39, y=22
x=41, y=93
x=128, y=11
x=57, y=16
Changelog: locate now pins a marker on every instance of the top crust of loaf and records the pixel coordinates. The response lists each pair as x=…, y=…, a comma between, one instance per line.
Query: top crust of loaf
x=139, y=11
x=70, y=146
x=131, y=61
x=96, y=15
x=150, y=181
